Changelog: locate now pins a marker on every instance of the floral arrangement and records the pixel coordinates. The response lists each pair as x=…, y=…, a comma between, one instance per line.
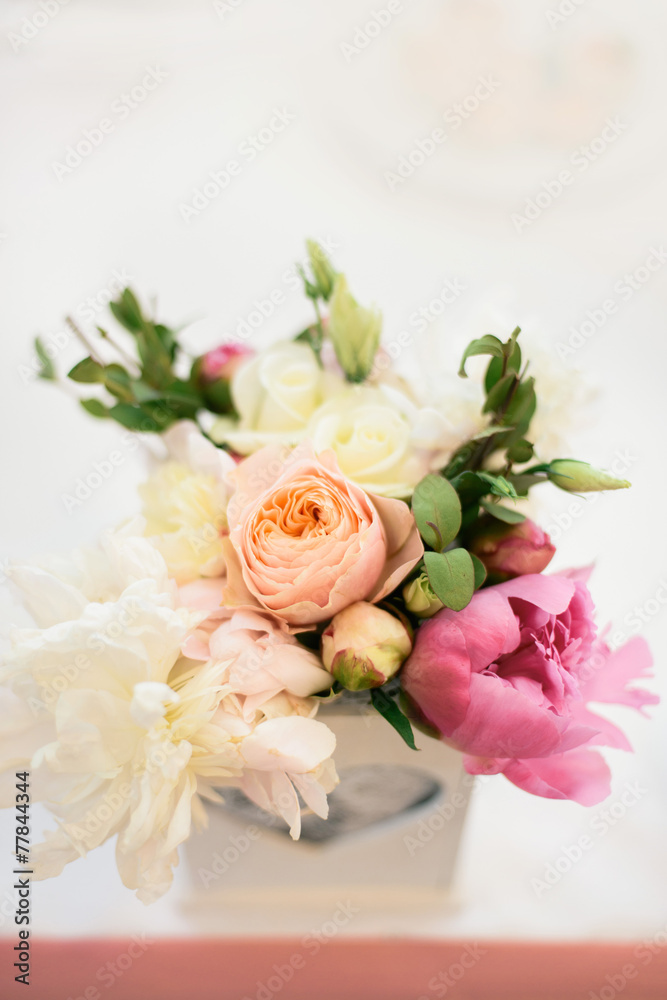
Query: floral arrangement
x=311, y=530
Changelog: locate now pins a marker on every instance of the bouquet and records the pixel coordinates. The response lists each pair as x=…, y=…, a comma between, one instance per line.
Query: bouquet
x=312, y=531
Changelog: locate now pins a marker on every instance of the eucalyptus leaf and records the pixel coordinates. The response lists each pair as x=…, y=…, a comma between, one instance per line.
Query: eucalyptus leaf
x=437, y=511
x=452, y=577
x=135, y=418
x=479, y=570
x=87, y=370
x=95, y=407
x=505, y=514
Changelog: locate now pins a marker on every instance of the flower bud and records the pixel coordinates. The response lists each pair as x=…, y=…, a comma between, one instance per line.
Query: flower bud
x=212, y=373
x=419, y=597
x=354, y=332
x=363, y=646
x=580, y=477
x=323, y=272
x=509, y=550
x=222, y=362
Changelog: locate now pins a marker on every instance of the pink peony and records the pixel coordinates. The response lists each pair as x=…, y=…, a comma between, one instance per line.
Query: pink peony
x=507, y=681
x=509, y=550
x=305, y=542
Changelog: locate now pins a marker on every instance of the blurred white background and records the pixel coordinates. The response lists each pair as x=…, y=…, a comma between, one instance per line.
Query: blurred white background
x=520, y=93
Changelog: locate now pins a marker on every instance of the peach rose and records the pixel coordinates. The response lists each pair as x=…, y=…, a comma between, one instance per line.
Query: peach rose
x=305, y=542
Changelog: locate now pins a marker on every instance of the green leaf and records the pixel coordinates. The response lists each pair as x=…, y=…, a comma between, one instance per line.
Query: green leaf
x=479, y=569
x=390, y=711
x=521, y=451
x=487, y=344
x=168, y=339
x=118, y=383
x=452, y=577
x=95, y=407
x=505, y=514
x=437, y=511
x=87, y=371
x=135, y=418
x=498, y=395
x=128, y=311
x=470, y=487
x=521, y=409
x=47, y=369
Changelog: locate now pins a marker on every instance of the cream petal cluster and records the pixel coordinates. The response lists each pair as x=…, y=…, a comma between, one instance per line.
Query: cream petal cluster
x=124, y=734
x=184, y=503
x=275, y=395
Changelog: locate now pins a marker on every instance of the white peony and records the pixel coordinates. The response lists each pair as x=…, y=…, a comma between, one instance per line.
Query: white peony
x=124, y=736
x=275, y=395
x=381, y=439
x=184, y=503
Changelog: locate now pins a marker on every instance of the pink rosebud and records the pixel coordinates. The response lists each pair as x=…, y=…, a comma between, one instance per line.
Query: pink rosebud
x=223, y=361
x=509, y=550
x=509, y=679
x=364, y=646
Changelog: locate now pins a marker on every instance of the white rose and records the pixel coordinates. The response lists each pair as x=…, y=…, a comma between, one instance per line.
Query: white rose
x=382, y=440
x=275, y=395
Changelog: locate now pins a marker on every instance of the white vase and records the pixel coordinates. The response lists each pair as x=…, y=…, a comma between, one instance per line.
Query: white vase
x=394, y=830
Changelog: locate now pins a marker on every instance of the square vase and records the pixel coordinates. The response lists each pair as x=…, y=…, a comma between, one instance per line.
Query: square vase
x=393, y=832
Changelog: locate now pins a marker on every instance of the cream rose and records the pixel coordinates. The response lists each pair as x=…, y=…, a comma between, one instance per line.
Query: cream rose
x=381, y=439
x=275, y=395
x=305, y=542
